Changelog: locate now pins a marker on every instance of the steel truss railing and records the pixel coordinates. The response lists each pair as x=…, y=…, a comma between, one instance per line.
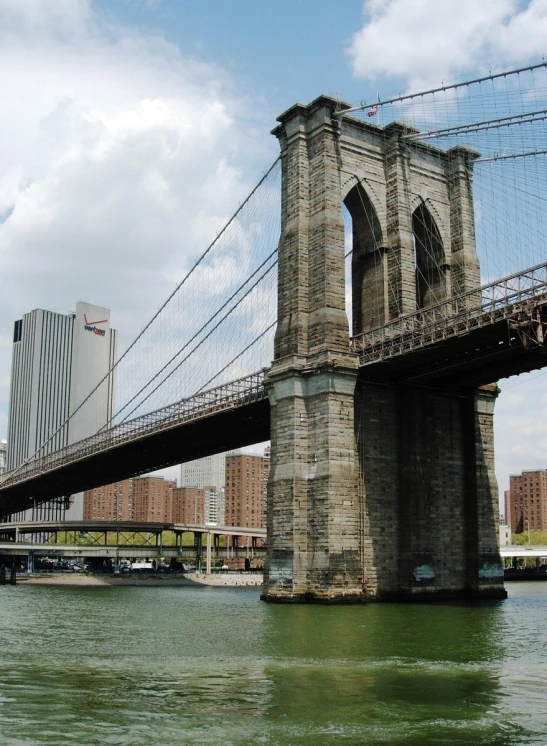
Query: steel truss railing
x=230, y=395
x=461, y=314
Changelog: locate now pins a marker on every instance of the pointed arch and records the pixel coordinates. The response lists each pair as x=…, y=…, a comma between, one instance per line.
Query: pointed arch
x=368, y=272
x=430, y=263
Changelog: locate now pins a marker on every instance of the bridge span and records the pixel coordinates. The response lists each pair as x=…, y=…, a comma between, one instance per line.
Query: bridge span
x=230, y=416
x=494, y=331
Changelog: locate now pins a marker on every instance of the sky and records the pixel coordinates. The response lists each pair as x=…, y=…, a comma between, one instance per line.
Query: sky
x=131, y=130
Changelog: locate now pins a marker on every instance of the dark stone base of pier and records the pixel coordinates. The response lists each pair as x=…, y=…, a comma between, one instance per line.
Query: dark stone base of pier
x=315, y=598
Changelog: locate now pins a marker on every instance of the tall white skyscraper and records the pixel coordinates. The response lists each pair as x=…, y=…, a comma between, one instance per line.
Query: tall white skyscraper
x=57, y=362
x=205, y=472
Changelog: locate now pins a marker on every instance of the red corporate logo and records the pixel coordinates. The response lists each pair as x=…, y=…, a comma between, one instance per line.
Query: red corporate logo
x=90, y=326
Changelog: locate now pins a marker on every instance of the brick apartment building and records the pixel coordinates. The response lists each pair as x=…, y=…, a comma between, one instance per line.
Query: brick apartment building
x=188, y=505
x=152, y=499
x=245, y=495
x=112, y=502
x=146, y=499
x=526, y=501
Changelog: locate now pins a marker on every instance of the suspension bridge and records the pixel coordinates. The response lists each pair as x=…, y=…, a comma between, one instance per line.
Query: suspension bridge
x=380, y=220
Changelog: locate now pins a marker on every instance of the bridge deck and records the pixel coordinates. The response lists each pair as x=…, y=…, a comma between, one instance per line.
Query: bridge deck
x=231, y=416
x=476, y=338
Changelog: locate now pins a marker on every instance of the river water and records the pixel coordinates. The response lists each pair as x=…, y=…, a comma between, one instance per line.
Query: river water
x=183, y=665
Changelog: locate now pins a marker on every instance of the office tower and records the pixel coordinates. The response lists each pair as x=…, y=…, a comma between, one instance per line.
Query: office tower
x=204, y=472
x=57, y=361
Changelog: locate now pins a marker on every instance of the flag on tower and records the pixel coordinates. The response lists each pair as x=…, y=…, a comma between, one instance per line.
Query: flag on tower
x=373, y=110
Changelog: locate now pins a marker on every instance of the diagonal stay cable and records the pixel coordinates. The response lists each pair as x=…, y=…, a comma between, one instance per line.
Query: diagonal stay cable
x=232, y=361
x=192, y=339
x=202, y=341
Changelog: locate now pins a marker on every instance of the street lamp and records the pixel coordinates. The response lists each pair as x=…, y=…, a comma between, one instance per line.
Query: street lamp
x=527, y=523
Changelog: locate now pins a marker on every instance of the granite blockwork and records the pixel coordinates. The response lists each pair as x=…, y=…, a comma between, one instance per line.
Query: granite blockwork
x=376, y=492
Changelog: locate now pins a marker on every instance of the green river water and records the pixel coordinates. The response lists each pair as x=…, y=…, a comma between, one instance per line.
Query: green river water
x=184, y=665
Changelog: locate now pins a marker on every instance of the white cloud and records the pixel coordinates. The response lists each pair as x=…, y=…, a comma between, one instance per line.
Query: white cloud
x=119, y=159
x=427, y=40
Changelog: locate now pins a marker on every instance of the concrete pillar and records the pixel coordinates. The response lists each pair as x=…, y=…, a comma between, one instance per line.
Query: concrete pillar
x=208, y=554
x=198, y=549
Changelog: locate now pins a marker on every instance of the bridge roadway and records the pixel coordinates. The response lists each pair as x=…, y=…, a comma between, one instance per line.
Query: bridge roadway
x=496, y=331
x=474, y=339
x=231, y=416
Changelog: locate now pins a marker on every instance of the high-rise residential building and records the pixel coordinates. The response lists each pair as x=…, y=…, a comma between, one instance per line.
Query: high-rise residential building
x=112, y=502
x=152, y=497
x=188, y=505
x=3, y=455
x=57, y=361
x=214, y=505
x=526, y=506
x=245, y=496
x=204, y=472
x=197, y=506
x=506, y=518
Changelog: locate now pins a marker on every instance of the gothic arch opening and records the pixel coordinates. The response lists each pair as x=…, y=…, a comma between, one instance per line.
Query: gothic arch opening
x=429, y=259
x=368, y=275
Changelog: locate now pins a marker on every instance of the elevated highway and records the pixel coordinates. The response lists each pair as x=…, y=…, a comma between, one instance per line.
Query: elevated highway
x=508, y=552
x=16, y=540
x=17, y=529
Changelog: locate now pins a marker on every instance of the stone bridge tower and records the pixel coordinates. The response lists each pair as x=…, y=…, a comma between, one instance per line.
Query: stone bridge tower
x=375, y=491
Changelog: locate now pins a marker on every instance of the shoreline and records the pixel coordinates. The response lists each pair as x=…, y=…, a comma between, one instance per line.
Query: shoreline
x=188, y=579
